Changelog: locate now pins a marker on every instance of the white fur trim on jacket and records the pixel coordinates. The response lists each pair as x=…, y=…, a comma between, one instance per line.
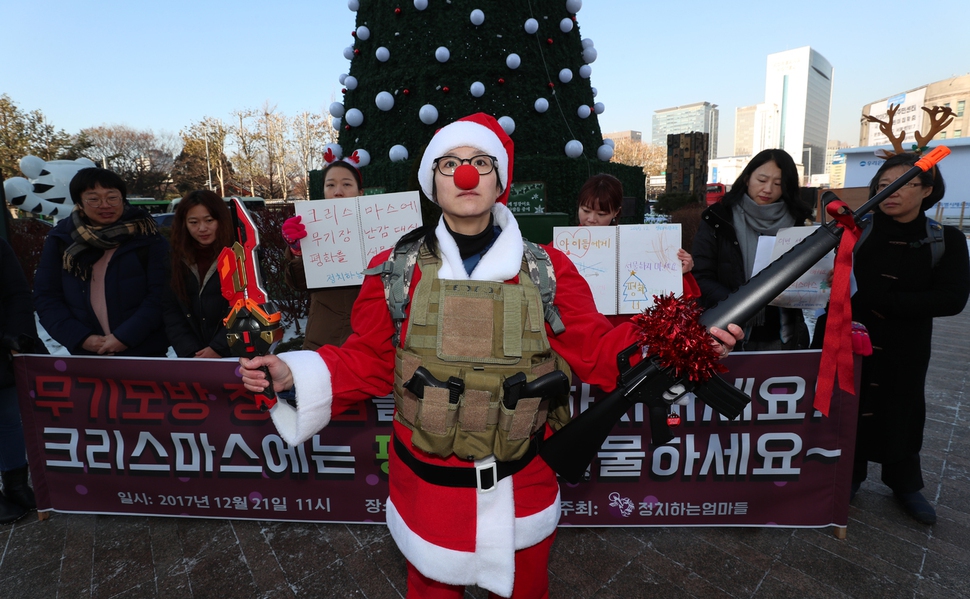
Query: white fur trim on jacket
x=500, y=263
x=498, y=535
x=314, y=398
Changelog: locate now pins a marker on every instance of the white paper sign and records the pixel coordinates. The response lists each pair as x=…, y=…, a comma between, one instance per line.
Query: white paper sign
x=625, y=266
x=344, y=234
x=811, y=290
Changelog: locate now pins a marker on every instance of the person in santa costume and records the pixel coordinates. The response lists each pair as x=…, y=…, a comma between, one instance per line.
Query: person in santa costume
x=470, y=502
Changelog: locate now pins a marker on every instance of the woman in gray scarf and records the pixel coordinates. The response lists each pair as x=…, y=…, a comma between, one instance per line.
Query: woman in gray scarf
x=764, y=199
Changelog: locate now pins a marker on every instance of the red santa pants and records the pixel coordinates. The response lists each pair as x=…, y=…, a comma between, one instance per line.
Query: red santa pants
x=531, y=577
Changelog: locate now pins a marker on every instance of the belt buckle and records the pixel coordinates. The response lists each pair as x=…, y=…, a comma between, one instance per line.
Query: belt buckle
x=483, y=468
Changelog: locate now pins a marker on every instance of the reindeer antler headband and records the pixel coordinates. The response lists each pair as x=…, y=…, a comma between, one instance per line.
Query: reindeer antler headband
x=940, y=117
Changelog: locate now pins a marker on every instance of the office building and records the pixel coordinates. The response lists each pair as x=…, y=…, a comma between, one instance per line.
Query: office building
x=635, y=136
x=910, y=116
x=799, y=84
x=700, y=117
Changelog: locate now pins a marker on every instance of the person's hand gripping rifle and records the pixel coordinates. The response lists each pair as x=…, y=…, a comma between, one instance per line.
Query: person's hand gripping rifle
x=253, y=322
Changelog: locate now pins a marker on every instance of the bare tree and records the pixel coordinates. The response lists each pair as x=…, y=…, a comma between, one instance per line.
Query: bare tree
x=311, y=132
x=142, y=158
x=653, y=159
x=246, y=138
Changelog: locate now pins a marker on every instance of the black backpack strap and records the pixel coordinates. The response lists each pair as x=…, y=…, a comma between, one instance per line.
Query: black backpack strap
x=396, y=273
x=934, y=236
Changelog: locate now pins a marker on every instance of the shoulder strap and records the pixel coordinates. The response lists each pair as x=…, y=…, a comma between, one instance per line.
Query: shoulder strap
x=934, y=236
x=544, y=277
x=396, y=273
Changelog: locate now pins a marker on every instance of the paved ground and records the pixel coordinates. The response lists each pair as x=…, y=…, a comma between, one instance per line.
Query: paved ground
x=885, y=555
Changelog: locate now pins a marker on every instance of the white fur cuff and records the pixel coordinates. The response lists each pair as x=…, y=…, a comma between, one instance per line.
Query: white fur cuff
x=314, y=398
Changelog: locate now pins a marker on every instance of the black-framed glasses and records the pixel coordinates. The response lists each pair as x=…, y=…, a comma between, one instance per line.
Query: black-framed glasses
x=447, y=165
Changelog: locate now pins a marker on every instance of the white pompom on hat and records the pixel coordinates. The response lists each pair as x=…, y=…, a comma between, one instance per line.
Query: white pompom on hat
x=479, y=131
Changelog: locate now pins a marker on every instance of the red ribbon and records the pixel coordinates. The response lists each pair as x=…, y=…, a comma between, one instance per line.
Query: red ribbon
x=837, y=361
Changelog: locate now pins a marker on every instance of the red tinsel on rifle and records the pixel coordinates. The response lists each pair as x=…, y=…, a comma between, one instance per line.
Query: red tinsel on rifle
x=673, y=336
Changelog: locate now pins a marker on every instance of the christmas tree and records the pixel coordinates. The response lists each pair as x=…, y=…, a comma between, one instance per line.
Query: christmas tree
x=418, y=65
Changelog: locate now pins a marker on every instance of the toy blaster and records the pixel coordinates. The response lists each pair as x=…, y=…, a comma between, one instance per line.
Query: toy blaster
x=253, y=322
x=571, y=450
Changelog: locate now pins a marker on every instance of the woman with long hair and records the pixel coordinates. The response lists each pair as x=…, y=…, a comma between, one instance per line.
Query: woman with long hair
x=194, y=306
x=764, y=199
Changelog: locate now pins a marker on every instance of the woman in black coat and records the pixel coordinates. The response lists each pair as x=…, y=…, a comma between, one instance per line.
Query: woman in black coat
x=194, y=305
x=764, y=199
x=900, y=291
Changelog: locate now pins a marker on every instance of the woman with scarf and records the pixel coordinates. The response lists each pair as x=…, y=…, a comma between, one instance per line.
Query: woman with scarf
x=194, y=305
x=103, y=272
x=764, y=199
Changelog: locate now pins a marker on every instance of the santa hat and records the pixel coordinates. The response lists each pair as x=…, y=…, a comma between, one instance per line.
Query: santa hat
x=479, y=131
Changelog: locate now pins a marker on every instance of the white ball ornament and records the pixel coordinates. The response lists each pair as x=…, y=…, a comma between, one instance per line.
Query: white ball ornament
x=353, y=5
x=383, y=54
x=531, y=26
x=542, y=105
x=513, y=61
x=354, y=117
x=583, y=111
x=573, y=6
x=574, y=148
x=442, y=54
x=508, y=125
x=604, y=152
x=384, y=101
x=420, y=4
x=566, y=25
x=477, y=89
x=589, y=55
x=594, y=91
x=565, y=75
x=398, y=153
x=349, y=52
x=336, y=109
x=342, y=78
x=428, y=114
x=609, y=142
x=335, y=123
x=363, y=33
x=363, y=157
x=585, y=71
x=350, y=82
x=587, y=43
x=599, y=107
x=477, y=17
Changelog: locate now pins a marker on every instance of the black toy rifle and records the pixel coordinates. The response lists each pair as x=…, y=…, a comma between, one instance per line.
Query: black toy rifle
x=571, y=449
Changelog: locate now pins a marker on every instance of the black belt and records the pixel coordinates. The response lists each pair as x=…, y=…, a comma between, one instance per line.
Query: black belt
x=484, y=478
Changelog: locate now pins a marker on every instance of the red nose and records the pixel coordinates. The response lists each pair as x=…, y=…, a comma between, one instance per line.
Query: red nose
x=466, y=177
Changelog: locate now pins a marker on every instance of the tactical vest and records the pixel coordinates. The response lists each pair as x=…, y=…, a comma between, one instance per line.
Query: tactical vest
x=481, y=332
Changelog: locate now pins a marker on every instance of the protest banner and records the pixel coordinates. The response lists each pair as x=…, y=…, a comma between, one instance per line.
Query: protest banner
x=181, y=437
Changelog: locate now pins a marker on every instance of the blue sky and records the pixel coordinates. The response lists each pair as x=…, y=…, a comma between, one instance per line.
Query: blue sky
x=163, y=65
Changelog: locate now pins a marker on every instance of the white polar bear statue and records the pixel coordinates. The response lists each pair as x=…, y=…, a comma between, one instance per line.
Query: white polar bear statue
x=46, y=190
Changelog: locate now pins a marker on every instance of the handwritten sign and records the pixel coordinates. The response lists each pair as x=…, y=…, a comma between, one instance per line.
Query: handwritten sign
x=625, y=266
x=344, y=234
x=811, y=290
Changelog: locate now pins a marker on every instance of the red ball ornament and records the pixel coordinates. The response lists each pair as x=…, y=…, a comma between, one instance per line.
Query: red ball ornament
x=347, y=127
x=549, y=41
x=406, y=92
x=343, y=91
x=397, y=11
x=501, y=81
x=551, y=85
x=466, y=177
x=356, y=51
x=445, y=89
x=353, y=33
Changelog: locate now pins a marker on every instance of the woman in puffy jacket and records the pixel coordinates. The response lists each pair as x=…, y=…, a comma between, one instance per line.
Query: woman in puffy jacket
x=102, y=273
x=194, y=305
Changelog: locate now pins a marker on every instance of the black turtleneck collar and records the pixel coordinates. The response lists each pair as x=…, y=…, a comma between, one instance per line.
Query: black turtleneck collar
x=472, y=245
